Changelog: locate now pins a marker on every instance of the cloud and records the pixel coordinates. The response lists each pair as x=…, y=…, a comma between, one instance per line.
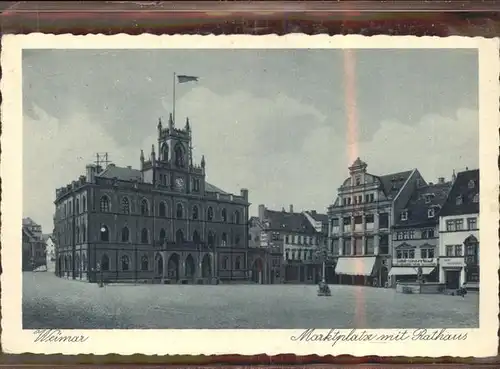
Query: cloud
x=283, y=150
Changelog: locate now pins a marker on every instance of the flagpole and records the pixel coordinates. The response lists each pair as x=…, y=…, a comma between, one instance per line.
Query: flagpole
x=173, y=103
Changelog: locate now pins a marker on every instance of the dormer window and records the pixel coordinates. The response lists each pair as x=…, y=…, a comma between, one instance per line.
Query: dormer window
x=458, y=200
x=404, y=215
x=428, y=199
x=471, y=184
x=476, y=198
x=430, y=213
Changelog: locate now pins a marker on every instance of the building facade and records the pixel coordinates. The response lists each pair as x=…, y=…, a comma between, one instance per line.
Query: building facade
x=33, y=246
x=415, y=234
x=50, y=248
x=360, y=222
x=459, y=233
x=162, y=223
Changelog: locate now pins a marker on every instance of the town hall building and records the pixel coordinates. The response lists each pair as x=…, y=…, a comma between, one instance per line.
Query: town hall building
x=162, y=223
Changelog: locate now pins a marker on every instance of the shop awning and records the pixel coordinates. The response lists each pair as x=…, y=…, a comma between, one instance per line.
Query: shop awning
x=355, y=266
x=410, y=270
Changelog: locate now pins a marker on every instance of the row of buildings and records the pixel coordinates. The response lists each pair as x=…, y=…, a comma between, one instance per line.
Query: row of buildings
x=164, y=222
x=38, y=249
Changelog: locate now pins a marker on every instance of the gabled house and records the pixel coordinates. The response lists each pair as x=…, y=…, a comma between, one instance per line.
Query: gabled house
x=415, y=234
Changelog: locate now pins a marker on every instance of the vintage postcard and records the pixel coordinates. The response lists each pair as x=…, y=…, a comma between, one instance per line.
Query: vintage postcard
x=250, y=194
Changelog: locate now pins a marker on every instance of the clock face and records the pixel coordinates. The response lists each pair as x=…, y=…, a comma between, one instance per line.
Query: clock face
x=179, y=183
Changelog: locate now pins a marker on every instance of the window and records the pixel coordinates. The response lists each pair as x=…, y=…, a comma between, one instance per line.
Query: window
x=125, y=263
x=163, y=235
x=224, y=215
x=450, y=225
x=237, y=263
x=195, y=212
x=449, y=250
x=179, y=237
x=125, y=205
x=211, y=238
x=77, y=206
x=358, y=180
x=236, y=217
x=104, y=233
x=335, y=247
x=369, y=218
x=335, y=222
x=405, y=254
x=125, y=234
x=372, y=197
x=84, y=233
x=144, y=207
x=196, y=237
x=347, y=221
x=224, y=239
x=428, y=233
x=384, y=220
x=286, y=239
x=179, y=156
x=84, y=204
x=162, y=209
x=224, y=262
x=84, y=262
x=179, y=213
x=164, y=152
x=472, y=223
x=144, y=262
x=458, y=250
x=210, y=213
x=196, y=185
x=104, y=204
x=458, y=200
x=430, y=213
x=428, y=199
x=77, y=234
x=369, y=247
x=105, y=263
x=144, y=236
x=476, y=198
x=459, y=224
x=344, y=201
x=237, y=240
x=399, y=236
x=471, y=184
x=427, y=253
x=404, y=215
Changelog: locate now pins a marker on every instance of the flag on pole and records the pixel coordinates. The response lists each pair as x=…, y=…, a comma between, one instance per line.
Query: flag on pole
x=184, y=79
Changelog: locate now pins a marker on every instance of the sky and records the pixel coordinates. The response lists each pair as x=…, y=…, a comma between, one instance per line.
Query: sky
x=285, y=124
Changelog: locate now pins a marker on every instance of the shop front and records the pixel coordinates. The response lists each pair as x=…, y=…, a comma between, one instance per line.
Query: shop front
x=452, y=272
x=406, y=270
x=356, y=270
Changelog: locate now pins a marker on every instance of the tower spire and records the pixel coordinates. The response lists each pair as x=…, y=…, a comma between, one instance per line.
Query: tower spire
x=170, y=122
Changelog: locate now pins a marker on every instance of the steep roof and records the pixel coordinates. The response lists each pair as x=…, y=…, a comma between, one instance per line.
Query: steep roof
x=392, y=183
x=211, y=188
x=27, y=235
x=323, y=218
x=121, y=173
x=461, y=197
x=423, y=199
x=288, y=222
x=28, y=221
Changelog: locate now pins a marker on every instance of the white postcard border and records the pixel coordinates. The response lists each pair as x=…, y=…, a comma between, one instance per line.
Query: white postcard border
x=480, y=342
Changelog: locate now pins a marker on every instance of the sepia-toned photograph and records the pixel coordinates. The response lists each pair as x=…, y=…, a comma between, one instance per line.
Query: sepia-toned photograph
x=282, y=188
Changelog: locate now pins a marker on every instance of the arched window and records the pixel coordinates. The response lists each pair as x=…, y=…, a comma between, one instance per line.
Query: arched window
x=224, y=215
x=196, y=237
x=144, y=236
x=125, y=234
x=104, y=233
x=162, y=209
x=476, y=198
x=144, y=262
x=144, y=207
x=125, y=205
x=84, y=233
x=179, y=237
x=164, y=152
x=195, y=212
x=224, y=239
x=105, y=263
x=77, y=206
x=210, y=213
x=125, y=262
x=163, y=235
x=104, y=204
x=77, y=234
x=84, y=203
x=224, y=262
x=179, y=211
x=236, y=217
x=211, y=239
x=179, y=156
x=237, y=263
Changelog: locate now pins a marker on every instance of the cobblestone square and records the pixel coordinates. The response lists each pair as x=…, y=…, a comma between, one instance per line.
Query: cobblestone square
x=51, y=302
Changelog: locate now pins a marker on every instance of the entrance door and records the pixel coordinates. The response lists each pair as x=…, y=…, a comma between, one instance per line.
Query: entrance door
x=452, y=279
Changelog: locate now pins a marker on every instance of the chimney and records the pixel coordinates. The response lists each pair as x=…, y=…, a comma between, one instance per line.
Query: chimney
x=441, y=180
x=262, y=212
x=91, y=171
x=291, y=208
x=244, y=193
x=129, y=167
